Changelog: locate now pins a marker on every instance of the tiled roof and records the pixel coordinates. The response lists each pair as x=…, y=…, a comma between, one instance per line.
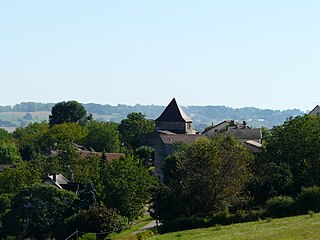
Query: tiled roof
x=185, y=138
x=173, y=113
x=109, y=156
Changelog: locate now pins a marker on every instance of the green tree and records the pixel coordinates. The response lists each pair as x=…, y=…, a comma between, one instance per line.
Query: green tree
x=8, y=153
x=145, y=154
x=134, y=128
x=97, y=219
x=63, y=133
x=70, y=111
x=204, y=177
x=38, y=211
x=87, y=196
x=127, y=186
x=24, y=174
x=5, y=136
x=29, y=139
x=103, y=136
x=292, y=151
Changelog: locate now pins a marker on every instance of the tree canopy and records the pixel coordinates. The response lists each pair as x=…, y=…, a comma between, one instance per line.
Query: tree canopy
x=127, y=186
x=37, y=212
x=204, y=177
x=70, y=111
x=291, y=159
x=134, y=128
x=103, y=136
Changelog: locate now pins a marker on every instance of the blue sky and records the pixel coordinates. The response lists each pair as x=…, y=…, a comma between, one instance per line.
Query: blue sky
x=239, y=53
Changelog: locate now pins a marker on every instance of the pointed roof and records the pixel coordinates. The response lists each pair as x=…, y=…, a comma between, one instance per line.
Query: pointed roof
x=173, y=113
x=315, y=110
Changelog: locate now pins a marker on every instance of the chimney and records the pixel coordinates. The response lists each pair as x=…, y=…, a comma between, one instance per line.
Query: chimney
x=244, y=124
x=71, y=174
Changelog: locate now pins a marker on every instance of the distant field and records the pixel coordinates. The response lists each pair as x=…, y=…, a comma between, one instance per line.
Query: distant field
x=17, y=118
x=294, y=228
x=14, y=116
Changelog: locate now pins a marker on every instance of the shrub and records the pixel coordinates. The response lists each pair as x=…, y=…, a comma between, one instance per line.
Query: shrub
x=221, y=218
x=88, y=236
x=309, y=199
x=281, y=206
x=97, y=219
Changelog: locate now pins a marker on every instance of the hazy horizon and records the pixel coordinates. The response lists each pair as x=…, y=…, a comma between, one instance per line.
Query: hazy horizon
x=162, y=105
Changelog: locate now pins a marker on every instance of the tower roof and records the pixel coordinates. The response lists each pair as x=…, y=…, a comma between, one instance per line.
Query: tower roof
x=173, y=113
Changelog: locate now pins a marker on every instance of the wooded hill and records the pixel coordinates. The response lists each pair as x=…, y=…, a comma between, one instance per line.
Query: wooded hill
x=202, y=116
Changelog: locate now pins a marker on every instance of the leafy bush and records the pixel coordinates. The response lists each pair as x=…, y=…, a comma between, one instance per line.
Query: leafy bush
x=97, y=219
x=222, y=218
x=88, y=236
x=281, y=206
x=5, y=202
x=309, y=199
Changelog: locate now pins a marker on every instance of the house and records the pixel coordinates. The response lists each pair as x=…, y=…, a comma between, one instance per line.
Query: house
x=172, y=126
x=61, y=182
x=87, y=152
x=315, y=111
x=251, y=137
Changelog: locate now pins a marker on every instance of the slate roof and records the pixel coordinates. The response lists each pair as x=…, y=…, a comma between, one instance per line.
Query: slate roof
x=60, y=179
x=315, y=110
x=62, y=182
x=173, y=113
x=246, y=133
x=173, y=138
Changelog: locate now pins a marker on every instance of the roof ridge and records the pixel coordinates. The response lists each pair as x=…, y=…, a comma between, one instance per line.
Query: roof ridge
x=173, y=113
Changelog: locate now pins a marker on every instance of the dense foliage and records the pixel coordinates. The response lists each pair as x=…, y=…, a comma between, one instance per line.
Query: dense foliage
x=205, y=177
x=38, y=211
x=134, y=128
x=202, y=115
x=70, y=111
x=291, y=159
x=127, y=186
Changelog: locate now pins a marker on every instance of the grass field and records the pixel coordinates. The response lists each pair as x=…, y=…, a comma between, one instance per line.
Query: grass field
x=306, y=227
x=126, y=234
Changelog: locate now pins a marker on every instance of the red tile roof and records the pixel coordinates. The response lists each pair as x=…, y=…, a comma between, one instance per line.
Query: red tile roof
x=109, y=156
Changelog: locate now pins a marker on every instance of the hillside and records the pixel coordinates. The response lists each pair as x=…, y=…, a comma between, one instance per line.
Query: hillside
x=294, y=228
x=202, y=116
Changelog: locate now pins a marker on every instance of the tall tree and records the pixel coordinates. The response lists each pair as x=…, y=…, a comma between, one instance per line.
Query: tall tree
x=291, y=156
x=127, y=185
x=204, y=177
x=103, y=136
x=24, y=174
x=70, y=111
x=8, y=152
x=37, y=212
x=134, y=128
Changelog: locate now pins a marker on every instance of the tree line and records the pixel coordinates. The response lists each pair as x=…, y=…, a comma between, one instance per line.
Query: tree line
x=202, y=115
